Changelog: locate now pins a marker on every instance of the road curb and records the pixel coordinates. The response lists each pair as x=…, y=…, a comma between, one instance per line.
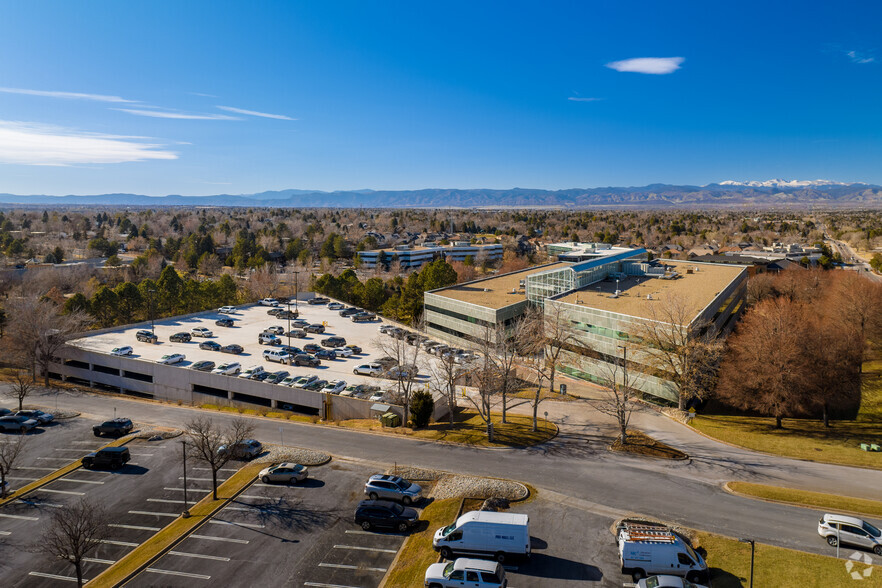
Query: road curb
x=729, y=490
x=62, y=471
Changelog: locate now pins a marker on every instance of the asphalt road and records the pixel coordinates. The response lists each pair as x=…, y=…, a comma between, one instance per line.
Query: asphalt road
x=575, y=465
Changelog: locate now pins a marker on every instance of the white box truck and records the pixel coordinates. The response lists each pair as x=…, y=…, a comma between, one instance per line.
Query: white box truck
x=500, y=535
x=646, y=550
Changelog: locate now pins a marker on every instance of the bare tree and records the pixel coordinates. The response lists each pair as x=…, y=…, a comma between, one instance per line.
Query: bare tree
x=484, y=376
x=857, y=300
x=213, y=445
x=21, y=386
x=534, y=357
x=407, y=360
x=73, y=532
x=618, y=398
x=506, y=355
x=444, y=375
x=686, y=352
x=9, y=452
x=555, y=327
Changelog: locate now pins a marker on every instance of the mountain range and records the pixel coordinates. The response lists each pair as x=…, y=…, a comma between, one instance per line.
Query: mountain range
x=725, y=194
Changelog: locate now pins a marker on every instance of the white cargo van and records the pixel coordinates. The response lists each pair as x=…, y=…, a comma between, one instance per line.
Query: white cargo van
x=497, y=534
x=655, y=549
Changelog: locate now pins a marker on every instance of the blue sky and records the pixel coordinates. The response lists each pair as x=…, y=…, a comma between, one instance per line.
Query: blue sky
x=173, y=97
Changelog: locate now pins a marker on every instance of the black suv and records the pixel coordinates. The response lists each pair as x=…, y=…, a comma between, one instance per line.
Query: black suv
x=180, y=338
x=113, y=428
x=350, y=311
x=109, y=457
x=146, y=337
x=224, y=322
x=288, y=314
x=384, y=513
x=318, y=300
x=333, y=342
x=307, y=360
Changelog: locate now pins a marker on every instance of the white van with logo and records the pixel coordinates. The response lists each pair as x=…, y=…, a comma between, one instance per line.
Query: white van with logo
x=647, y=549
x=276, y=355
x=496, y=534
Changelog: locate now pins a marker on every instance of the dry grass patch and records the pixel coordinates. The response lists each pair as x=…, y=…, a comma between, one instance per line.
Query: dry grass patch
x=820, y=500
x=639, y=443
x=470, y=429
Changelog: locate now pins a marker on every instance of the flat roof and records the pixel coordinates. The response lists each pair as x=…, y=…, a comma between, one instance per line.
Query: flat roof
x=697, y=289
x=495, y=292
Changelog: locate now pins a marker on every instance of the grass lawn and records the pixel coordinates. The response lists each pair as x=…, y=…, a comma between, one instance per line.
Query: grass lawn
x=417, y=554
x=820, y=500
x=468, y=428
x=729, y=562
x=807, y=438
x=639, y=443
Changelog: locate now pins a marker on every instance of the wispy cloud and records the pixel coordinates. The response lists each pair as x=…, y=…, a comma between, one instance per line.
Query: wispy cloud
x=201, y=94
x=580, y=99
x=176, y=115
x=66, y=95
x=36, y=144
x=255, y=113
x=858, y=57
x=648, y=65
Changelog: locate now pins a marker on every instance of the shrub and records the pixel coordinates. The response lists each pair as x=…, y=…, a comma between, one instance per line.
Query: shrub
x=421, y=407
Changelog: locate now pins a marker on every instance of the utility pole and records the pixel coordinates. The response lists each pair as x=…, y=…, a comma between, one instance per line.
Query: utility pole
x=296, y=293
x=151, y=291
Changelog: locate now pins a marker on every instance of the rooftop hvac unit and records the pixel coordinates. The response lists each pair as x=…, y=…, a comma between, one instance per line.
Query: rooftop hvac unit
x=649, y=296
x=514, y=290
x=486, y=289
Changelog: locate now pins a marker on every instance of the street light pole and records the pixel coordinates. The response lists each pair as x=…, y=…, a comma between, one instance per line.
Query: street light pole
x=296, y=293
x=186, y=512
x=752, y=551
x=151, y=291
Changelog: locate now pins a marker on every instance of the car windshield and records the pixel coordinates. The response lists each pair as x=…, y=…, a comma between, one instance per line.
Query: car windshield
x=403, y=484
x=448, y=530
x=691, y=553
x=872, y=530
x=397, y=509
x=448, y=569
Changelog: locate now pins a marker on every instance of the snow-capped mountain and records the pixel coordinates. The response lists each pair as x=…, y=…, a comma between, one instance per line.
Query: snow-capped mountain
x=778, y=183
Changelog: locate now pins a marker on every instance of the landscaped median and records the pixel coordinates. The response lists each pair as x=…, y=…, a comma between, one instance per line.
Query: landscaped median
x=808, y=499
x=74, y=465
x=148, y=552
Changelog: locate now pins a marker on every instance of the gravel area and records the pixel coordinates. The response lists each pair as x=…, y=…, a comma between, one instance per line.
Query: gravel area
x=453, y=486
x=414, y=473
x=282, y=453
x=59, y=414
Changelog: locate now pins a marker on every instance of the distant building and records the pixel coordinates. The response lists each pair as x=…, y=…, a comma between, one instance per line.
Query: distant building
x=415, y=256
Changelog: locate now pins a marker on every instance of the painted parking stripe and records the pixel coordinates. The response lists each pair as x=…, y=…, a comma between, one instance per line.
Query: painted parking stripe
x=135, y=527
x=92, y=443
x=173, y=573
x=262, y=485
x=225, y=539
x=235, y=524
x=320, y=585
x=346, y=567
x=35, y=468
x=61, y=491
x=19, y=517
x=198, y=556
x=5, y=533
x=101, y=561
x=70, y=449
x=373, y=549
x=209, y=469
x=156, y=514
x=55, y=459
x=120, y=543
x=169, y=501
x=22, y=479
x=202, y=479
x=77, y=480
x=55, y=577
x=261, y=498
x=188, y=490
x=352, y=532
x=142, y=455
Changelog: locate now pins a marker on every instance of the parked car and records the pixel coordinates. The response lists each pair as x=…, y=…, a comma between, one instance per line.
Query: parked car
x=38, y=415
x=312, y=348
x=124, y=350
x=318, y=300
x=363, y=317
x=326, y=354
x=274, y=330
x=343, y=352
x=5, y=411
x=210, y=346
x=428, y=343
x=303, y=381
x=439, y=350
x=355, y=349
x=333, y=342
x=404, y=372
x=260, y=377
x=334, y=387
x=232, y=348
x=335, y=306
x=268, y=302
x=645, y=550
x=462, y=571
x=316, y=386
x=108, y=458
x=171, y=358
x=355, y=390
x=299, y=323
x=247, y=449
x=289, y=380
x=17, y=423
x=349, y=311
x=385, y=514
x=290, y=349
x=850, y=531
x=203, y=366
x=276, y=377
x=303, y=359
x=368, y=369
x=387, y=362
x=384, y=329
x=180, y=338
x=268, y=339
x=224, y=322
x=201, y=332
x=284, y=473
x=378, y=396
x=389, y=487
x=114, y=427
x=231, y=368
x=315, y=328
x=146, y=337
x=499, y=535
x=666, y=582
x=227, y=309
x=274, y=311
x=251, y=372
x=288, y=314
x=276, y=355
x=297, y=333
